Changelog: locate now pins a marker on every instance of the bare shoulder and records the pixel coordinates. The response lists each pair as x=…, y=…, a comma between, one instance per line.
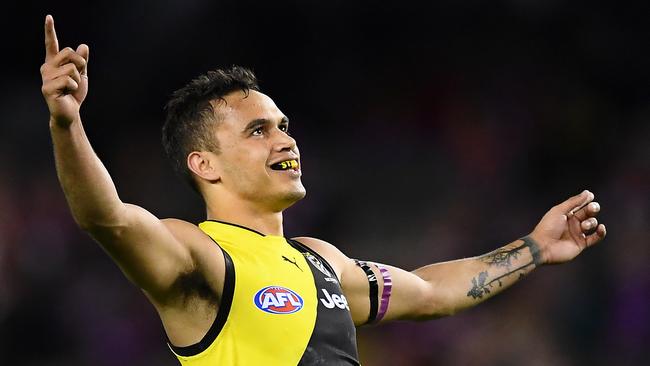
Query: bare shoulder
x=322, y=247
x=181, y=228
x=206, y=254
x=187, y=232
x=353, y=280
x=332, y=254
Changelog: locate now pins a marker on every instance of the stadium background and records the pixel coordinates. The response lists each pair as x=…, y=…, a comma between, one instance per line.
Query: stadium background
x=428, y=133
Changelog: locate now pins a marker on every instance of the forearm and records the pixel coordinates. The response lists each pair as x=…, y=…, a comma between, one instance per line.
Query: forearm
x=446, y=288
x=88, y=187
x=460, y=284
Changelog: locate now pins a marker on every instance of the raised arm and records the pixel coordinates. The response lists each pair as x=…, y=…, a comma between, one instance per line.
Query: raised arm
x=144, y=247
x=443, y=289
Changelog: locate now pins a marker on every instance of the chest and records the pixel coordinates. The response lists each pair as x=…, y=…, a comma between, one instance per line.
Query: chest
x=282, y=290
x=287, y=306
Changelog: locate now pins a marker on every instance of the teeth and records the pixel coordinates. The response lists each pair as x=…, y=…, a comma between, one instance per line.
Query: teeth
x=285, y=165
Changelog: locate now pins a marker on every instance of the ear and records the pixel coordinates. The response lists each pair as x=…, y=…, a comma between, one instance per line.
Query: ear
x=204, y=165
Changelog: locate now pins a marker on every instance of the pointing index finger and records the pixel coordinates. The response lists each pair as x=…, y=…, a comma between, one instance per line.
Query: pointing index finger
x=51, y=42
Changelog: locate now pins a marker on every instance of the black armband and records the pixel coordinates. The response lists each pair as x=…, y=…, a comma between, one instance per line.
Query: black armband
x=534, y=250
x=374, y=290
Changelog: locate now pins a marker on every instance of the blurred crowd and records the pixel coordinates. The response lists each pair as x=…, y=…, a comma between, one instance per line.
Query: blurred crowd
x=427, y=133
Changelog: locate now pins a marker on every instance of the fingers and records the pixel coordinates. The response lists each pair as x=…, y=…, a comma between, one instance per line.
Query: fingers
x=589, y=226
x=66, y=70
x=590, y=210
x=68, y=55
x=585, y=223
x=59, y=86
x=84, y=51
x=578, y=202
x=51, y=42
x=65, y=63
x=598, y=235
x=575, y=203
x=55, y=58
x=60, y=80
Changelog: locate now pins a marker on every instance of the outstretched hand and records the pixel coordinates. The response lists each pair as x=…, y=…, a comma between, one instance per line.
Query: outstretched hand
x=568, y=228
x=65, y=77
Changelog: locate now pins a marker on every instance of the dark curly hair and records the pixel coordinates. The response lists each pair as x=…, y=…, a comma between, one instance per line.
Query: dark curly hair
x=190, y=120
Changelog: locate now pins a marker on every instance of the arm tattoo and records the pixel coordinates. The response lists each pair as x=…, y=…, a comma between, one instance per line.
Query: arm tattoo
x=479, y=287
x=534, y=249
x=502, y=258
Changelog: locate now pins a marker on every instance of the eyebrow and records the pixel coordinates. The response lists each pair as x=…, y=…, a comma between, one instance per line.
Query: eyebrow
x=263, y=121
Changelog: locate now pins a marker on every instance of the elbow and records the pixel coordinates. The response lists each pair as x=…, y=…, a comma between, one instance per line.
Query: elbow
x=437, y=304
x=438, y=310
x=447, y=312
x=445, y=308
x=96, y=226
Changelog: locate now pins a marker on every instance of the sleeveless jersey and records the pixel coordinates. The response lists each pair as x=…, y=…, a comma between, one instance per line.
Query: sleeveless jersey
x=282, y=304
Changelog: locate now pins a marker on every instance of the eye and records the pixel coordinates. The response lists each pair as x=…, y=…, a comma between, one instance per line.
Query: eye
x=285, y=129
x=258, y=131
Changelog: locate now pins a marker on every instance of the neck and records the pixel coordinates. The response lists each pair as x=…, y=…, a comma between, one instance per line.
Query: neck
x=267, y=222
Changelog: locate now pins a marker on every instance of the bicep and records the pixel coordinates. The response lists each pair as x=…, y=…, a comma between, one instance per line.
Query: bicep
x=410, y=296
x=146, y=249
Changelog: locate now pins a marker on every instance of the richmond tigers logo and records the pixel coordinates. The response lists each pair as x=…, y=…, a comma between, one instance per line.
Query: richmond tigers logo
x=318, y=264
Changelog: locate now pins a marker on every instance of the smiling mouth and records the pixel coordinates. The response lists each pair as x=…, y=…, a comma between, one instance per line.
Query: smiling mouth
x=286, y=165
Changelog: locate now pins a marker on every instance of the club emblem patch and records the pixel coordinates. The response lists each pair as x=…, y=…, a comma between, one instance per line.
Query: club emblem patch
x=318, y=264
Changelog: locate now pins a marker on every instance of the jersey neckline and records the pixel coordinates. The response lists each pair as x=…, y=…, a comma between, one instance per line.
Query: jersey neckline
x=246, y=228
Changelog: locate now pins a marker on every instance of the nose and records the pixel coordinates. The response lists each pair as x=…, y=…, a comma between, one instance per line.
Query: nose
x=284, y=142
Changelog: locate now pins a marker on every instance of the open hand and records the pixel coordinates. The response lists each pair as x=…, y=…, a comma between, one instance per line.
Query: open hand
x=65, y=77
x=568, y=228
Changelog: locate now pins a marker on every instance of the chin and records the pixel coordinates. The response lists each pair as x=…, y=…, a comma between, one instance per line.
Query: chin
x=298, y=195
x=291, y=197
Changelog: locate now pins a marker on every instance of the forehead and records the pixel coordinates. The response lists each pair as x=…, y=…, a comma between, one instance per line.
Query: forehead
x=240, y=108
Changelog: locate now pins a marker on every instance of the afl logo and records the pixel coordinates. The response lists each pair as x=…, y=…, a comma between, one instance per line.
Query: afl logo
x=278, y=300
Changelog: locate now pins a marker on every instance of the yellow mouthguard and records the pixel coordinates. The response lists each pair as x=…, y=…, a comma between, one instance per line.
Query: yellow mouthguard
x=291, y=164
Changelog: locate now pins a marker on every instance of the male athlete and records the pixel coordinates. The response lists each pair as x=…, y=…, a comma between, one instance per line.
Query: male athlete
x=233, y=290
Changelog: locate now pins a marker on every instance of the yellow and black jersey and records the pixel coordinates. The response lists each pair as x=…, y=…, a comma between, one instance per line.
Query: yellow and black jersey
x=282, y=304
